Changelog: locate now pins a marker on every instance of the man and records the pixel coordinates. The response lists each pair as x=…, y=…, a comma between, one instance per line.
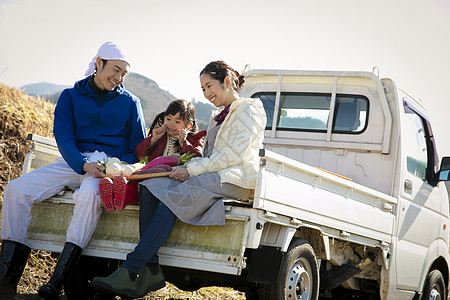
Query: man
x=94, y=120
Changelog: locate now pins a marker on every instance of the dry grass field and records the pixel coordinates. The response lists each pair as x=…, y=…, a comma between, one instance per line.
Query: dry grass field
x=21, y=115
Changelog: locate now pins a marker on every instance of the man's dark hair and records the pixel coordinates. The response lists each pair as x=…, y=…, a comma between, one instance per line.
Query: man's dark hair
x=104, y=64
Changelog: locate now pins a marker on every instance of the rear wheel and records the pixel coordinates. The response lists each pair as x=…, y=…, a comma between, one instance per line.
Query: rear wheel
x=299, y=275
x=434, y=288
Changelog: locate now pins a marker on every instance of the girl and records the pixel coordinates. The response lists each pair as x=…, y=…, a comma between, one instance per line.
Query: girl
x=195, y=192
x=172, y=131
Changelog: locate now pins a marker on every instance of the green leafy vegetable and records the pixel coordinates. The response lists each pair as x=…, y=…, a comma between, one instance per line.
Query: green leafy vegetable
x=102, y=162
x=144, y=160
x=185, y=157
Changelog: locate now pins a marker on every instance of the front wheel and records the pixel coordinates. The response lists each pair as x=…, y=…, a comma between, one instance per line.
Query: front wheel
x=299, y=275
x=434, y=288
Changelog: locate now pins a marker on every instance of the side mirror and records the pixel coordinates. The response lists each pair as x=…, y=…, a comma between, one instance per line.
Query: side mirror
x=444, y=171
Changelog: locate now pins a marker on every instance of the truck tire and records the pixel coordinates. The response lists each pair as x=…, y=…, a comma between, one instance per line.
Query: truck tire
x=299, y=275
x=434, y=287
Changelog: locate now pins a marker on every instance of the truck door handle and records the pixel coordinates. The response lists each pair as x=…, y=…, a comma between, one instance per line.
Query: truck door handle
x=408, y=186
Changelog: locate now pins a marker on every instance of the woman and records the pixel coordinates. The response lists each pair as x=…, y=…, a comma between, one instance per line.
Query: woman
x=194, y=194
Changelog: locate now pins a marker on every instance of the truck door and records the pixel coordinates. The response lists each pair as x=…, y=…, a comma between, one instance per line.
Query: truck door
x=419, y=202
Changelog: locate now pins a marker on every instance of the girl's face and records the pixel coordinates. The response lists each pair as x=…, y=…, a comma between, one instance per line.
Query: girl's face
x=174, y=123
x=217, y=93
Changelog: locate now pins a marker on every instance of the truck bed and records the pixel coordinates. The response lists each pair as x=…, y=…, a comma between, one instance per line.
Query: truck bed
x=211, y=248
x=313, y=196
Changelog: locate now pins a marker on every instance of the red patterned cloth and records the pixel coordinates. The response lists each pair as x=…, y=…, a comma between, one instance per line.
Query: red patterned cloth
x=223, y=114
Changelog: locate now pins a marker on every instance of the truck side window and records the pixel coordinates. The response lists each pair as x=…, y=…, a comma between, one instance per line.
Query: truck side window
x=415, y=144
x=350, y=114
x=304, y=111
x=310, y=111
x=268, y=100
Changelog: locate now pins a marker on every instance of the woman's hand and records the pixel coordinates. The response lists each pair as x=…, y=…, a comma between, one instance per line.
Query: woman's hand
x=157, y=133
x=180, y=174
x=94, y=169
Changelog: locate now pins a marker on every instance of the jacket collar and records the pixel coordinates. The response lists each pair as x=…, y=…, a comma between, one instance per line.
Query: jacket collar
x=94, y=87
x=91, y=89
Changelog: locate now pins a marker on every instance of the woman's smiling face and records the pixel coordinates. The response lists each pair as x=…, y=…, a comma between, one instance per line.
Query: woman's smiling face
x=213, y=90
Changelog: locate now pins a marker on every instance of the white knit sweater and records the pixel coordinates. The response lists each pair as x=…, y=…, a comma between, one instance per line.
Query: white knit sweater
x=235, y=154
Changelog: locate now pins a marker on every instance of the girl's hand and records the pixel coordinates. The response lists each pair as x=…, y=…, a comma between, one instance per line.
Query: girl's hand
x=157, y=133
x=182, y=134
x=180, y=174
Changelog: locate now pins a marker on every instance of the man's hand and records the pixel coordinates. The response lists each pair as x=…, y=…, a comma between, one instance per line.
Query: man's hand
x=180, y=174
x=95, y=169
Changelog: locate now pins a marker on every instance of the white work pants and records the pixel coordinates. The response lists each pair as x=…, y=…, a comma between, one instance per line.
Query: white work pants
x=40, y=184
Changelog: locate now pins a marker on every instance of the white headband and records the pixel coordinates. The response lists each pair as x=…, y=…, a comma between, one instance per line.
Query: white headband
x=108, y=51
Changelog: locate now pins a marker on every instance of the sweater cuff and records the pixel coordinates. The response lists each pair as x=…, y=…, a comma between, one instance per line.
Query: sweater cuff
x=191, y=170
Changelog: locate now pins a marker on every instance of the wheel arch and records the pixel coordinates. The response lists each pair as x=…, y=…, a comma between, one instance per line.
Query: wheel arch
x=441, y=265
x=437, y=258
x=298, y=274
x=318, y=241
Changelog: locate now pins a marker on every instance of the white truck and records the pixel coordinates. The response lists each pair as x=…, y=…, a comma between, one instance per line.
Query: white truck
x=349, y=198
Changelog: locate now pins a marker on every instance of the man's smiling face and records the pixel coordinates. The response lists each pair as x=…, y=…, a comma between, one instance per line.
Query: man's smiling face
x=110, y=73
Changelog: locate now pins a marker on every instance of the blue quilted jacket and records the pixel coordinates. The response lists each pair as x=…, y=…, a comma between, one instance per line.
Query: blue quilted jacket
x=86, y=121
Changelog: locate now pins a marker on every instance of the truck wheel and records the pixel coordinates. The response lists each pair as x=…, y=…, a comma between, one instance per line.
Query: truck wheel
x=299, y=275
x=434, y=288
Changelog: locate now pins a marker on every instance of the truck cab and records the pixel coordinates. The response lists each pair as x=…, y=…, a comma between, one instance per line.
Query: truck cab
x=366, y=129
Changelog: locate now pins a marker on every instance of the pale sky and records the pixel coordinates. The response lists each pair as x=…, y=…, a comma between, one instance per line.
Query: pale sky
x=171, y=41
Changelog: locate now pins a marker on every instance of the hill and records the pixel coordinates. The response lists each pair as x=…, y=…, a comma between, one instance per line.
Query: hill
x=202, y=113
x=43, y=89
x=153, y=99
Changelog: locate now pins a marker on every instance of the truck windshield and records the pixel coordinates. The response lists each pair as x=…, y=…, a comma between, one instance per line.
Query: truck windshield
x=415, y=143
x=310, y=112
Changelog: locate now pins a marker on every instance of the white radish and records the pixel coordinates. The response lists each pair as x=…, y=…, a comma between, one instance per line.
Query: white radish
x=113, y=169
x=127, y=170
x=112, y=160
x=137, y=166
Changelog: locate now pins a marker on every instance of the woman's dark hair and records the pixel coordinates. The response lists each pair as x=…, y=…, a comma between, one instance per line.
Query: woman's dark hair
x=186, y=110
x=218, y=70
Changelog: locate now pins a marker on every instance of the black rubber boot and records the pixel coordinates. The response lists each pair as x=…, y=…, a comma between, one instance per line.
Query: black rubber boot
x=77, y=283
x=13, y=259
x=67, y=259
